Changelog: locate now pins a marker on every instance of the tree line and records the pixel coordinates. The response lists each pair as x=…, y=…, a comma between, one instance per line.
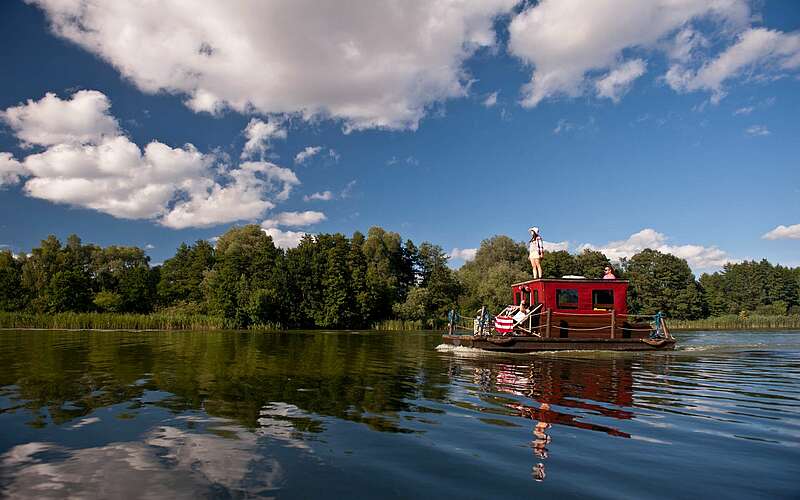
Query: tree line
x=331, y=281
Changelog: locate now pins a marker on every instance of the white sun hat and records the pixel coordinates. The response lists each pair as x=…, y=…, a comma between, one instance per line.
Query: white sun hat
x=533, y=229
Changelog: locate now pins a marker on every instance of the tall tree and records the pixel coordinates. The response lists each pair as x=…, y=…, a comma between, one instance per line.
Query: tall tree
x=182, y=274
x=437, y=290
x=559, y=263
x=10, y=279
x=591, y=263
x=664, y=282
x=498, y=262
x=245, y=260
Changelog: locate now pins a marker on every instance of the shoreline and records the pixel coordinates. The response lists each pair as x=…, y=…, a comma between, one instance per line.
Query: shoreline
x=176, y=322
x=263, y=330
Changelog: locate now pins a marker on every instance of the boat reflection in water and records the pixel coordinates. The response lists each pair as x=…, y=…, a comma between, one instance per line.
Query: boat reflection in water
x=553, y=390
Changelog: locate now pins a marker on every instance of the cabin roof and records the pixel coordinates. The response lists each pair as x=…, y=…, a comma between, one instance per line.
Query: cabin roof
x=570, y=280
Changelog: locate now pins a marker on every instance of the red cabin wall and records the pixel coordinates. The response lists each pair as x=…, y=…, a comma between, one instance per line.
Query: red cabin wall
x=547, y=294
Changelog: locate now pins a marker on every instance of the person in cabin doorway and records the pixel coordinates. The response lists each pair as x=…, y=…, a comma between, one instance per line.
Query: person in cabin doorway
x=522, y=313
x=608, y=273
x=535, y=251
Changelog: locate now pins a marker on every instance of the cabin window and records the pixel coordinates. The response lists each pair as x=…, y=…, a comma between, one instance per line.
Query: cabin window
x=566, y=298
x=535, y=298
x=603, y=299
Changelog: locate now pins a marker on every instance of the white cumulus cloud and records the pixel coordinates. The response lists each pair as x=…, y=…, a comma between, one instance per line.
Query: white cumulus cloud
x=553, y=246
x=490, y=100
x=308, y=152
x=698, y=256
x=758, y=51
x=294, y=219
x=784, y=233
x=11, y=170
x=87, y=161
x=369, y=63
x=50, y=120
x=258, y=134
x=320, y=196
x=465, y=254
x=564, y=40
x=285, y=239
x=617, y=82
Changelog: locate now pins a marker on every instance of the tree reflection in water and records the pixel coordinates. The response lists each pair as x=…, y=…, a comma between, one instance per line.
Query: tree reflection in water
x=284, y=389
x=240, y=414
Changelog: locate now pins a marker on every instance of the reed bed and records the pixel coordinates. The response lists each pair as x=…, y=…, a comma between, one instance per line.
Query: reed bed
x=735, y=322
x=401, y=325
x=173, y=321
x=111, y=321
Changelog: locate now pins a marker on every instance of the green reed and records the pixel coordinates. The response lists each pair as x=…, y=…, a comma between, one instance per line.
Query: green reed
x=401, y=325
x=736, y=322
x=112, y=321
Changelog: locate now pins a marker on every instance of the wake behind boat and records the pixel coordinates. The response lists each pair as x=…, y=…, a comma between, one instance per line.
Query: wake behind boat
x=570, y=313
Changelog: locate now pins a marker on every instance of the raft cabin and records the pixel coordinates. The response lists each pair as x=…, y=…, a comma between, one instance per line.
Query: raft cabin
x=566, y=313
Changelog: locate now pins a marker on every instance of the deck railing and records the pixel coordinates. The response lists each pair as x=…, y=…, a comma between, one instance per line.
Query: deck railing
x=483, y=325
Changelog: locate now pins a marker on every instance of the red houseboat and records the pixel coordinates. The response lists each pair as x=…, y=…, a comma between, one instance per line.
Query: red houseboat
x=563, y=314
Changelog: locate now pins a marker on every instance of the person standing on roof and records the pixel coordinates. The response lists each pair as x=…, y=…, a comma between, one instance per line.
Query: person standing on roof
x=535, y=251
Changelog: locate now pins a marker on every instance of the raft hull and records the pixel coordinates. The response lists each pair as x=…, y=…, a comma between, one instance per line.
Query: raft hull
x=532, y=344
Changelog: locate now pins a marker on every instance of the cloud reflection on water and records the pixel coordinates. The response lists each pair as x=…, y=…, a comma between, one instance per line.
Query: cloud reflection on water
x=169, y=462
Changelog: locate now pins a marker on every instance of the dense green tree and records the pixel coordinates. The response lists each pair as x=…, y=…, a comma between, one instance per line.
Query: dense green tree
x=108, y=301
x=183, y=274
x=559, y=263
x=664, y=282
x=712, y=286
x=244, y=261
x=501, y=249
x=336, y=309
x=331, y=281
x=122, y=276
x=10, y=281
x=38, y=269
x=592, y=264
x=499, y=261
x=389, y=272
x=437, y=290
x=363, y=302
x=68, y=290
x=751, y=286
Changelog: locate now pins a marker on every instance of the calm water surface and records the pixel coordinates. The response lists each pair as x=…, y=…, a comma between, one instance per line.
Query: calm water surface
x=322, y=414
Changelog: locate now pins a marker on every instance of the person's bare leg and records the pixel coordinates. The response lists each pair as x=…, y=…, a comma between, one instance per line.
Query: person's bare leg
x=533, y=266
x=537, y=264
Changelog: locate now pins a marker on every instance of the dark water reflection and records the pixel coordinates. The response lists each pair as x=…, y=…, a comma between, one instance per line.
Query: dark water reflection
x=321, y=414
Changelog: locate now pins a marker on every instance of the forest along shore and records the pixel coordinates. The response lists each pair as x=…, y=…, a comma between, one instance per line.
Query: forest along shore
x=372, y=281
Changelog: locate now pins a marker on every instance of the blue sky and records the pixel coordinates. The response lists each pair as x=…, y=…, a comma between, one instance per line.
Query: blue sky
x=617, y=126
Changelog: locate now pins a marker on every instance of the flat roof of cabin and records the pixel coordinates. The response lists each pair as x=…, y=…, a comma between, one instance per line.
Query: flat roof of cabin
x=570, y=280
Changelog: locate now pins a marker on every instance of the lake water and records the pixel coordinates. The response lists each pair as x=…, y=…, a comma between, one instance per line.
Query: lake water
x=356, y=414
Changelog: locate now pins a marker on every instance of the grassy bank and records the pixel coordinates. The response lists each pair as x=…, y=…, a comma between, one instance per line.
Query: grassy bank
x=735, y=322
x=110, y=321
x=400, y=325
x=172, y=321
